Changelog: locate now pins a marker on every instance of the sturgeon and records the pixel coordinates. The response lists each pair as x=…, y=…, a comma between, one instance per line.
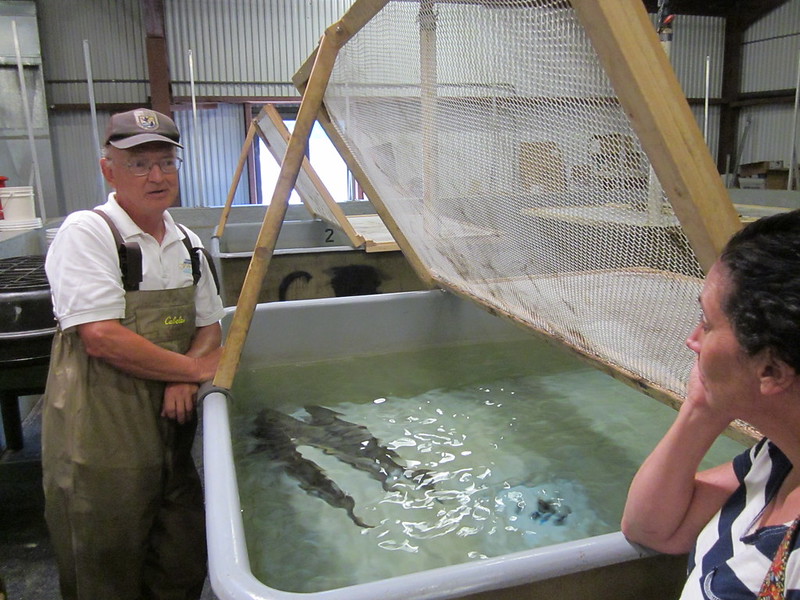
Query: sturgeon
x=279, y=435
x=276, y=441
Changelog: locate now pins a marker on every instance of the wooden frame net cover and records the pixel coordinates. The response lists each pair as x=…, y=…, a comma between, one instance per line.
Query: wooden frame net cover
x=537, y=156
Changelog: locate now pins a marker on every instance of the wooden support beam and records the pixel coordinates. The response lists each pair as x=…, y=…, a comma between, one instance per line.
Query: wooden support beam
x=353, y=20
x=628, y=48
x=314, y=193
x=728, y=146
x=157, y=56
x=374, y=197
x=332, y=41
x=247, y=146
x=356, y=17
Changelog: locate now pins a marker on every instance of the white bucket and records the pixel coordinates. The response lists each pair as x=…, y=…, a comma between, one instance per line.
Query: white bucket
x=17, y=203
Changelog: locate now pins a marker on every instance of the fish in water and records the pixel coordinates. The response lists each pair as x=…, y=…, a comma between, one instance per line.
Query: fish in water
x=278, y=435
x=547, y=508
x=276, y=442
x=355, y=445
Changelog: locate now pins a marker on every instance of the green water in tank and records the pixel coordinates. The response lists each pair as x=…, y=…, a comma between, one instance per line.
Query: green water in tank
x=519, y=445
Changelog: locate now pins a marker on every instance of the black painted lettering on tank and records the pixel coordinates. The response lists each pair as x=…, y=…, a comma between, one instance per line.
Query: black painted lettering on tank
x=287, y=281
x=355, y=280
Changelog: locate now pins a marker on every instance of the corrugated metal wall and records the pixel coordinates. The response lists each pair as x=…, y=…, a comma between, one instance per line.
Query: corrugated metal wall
x=694, y=39
x=696, y=43
x=769, y=136
x=211, y=152
x=115, y=35
x=770, y=62
x=240, y=49
x=251, y=48
x=75, y=157
x=209, y=160
x=244, y=48
x=21, y=163
x=771, y=50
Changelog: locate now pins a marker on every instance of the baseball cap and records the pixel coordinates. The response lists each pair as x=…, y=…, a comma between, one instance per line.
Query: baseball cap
x=140, y=126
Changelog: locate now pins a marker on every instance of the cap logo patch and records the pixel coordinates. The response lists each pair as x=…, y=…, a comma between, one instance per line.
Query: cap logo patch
x=146, y=120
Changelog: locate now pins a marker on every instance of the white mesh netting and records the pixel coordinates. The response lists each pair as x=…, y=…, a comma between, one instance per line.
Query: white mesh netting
x=496, y=143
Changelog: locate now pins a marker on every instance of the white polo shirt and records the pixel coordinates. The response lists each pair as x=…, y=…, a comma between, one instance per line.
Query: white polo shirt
x=82, y=266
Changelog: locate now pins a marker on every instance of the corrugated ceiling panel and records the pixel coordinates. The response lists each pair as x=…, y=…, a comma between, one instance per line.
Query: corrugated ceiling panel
x=113, y=29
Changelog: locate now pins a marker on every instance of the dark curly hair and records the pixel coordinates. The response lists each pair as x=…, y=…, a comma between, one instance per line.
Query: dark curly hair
x=763, y=304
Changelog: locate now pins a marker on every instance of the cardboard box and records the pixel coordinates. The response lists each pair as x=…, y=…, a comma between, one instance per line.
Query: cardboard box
x=752, y=183
x=772, y=173
x=777, y=179
x=759, y=169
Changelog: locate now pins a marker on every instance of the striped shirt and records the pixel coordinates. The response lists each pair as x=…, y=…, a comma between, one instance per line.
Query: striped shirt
x=732, y=554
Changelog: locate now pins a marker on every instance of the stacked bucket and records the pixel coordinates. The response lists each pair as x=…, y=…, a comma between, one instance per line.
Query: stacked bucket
x=18, y=209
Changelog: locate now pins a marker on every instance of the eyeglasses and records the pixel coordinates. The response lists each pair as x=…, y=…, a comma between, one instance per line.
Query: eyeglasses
x=141, y=167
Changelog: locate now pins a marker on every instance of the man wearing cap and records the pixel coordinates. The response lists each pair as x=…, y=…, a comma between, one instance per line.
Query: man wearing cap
x=138, y=313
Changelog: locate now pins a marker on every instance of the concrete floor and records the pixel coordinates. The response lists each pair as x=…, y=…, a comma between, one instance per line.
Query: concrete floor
x=27, y=564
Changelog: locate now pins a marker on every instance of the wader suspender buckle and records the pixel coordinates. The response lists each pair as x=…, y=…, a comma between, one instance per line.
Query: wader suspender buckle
x=130, y=256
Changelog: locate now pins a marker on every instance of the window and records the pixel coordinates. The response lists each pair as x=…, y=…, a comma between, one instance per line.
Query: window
x=325, y=159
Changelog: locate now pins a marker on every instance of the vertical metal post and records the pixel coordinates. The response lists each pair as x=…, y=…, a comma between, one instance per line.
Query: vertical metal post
x=198, y=156
x=29, y=123
x=87, y=61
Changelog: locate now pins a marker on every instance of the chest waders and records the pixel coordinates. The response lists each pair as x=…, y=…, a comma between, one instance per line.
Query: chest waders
x=123, y=500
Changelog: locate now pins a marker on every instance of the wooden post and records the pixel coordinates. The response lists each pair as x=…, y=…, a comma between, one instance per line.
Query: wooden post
x=157, y=55
x=324, y=61
x=358, y=15
x=237, y=175
x=628, y=47
x=375, y=199
x=278, y=145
